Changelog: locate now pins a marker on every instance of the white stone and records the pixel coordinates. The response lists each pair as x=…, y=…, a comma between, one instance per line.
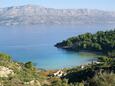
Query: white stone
x=4, y=71
x=59, y=73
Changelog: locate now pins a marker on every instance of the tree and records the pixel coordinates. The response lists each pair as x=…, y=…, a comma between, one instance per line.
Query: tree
x=69, y=43
x=29, y=65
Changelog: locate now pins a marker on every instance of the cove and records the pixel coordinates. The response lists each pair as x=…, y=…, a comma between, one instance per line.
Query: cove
x=36, y=43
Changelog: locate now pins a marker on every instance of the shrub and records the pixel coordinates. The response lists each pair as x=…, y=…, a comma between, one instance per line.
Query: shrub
x=105, y=79
x=29, y=65
x=104, y=59
x=5, y=57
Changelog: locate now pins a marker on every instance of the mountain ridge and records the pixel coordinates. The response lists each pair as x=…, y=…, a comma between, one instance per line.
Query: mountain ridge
x=35, y=14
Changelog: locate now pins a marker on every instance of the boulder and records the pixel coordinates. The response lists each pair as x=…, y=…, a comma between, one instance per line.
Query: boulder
x=4, y=71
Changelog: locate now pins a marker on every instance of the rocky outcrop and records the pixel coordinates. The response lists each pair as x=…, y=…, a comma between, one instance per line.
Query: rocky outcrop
x=59, y=73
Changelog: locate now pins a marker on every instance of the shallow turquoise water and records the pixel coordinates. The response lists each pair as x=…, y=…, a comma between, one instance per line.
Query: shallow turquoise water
x=36, y=43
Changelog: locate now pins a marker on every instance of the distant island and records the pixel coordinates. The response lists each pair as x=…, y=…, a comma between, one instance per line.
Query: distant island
x=101, y=41
x=32, y=14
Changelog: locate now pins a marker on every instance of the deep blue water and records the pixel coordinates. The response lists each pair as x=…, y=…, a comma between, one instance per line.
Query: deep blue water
x=36, y=43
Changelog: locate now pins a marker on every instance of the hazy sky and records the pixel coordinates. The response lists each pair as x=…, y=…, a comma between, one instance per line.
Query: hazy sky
x=91, y=4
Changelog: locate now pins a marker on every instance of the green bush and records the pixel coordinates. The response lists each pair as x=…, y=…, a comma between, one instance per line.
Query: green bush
x=28, y=65
x=105, y=79
x=5, y=57
x=104, y=59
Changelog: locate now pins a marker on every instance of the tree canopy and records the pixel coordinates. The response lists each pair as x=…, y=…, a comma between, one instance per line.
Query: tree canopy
x=102, y=41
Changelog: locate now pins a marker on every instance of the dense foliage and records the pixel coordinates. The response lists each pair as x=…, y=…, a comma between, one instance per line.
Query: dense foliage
x=101, y=42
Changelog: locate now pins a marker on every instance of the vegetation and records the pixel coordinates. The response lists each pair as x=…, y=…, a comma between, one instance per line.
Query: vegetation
x=23, y=75
x=95, y=74
x=105, y=79
x=100, y=42
x=28, y=65
x=102, y=74
x=5, y=57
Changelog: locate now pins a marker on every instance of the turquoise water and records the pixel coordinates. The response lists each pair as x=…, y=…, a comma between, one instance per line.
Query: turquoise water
x=36, y=43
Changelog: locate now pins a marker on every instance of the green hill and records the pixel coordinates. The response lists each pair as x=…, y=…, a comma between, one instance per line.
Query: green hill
x=100, y=42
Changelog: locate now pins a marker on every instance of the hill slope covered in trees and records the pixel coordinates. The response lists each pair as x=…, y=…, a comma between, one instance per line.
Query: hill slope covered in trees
x=100, y=42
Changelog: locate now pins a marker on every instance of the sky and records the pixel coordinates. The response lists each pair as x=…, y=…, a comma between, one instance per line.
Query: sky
x=90, y=4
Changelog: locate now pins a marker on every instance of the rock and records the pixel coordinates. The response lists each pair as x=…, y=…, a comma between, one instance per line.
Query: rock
x=4, y=71
x=97, y=62
x=59, y=73
x=82, y=66
x=46, y=82
x=33, y=83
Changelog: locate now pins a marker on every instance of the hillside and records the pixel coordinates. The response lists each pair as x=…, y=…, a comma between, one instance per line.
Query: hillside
x=32, y=14
x=26, y=74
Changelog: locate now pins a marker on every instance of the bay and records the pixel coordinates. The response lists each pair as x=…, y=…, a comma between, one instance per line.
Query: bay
x=36, y=43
